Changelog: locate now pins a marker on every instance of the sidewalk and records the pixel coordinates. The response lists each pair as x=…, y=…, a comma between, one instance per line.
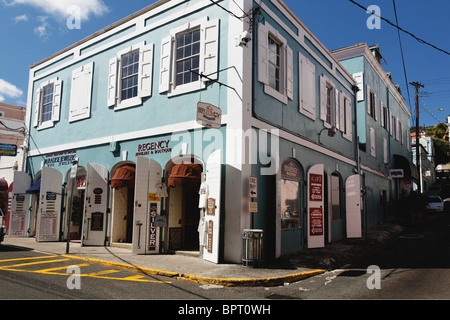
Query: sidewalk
x=287, y=269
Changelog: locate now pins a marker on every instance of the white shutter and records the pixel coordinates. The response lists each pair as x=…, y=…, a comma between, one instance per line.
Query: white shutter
x=212, y=222
x=145, y=70
x=382, y=114
x=165, y=65
x=94, y=222
x=391, y=123
x=336, y=117
x=289, y=73
x=368, y=100
x=49, y=214
x=353, y=207
x=375, y=107
x=57, y=88
x=372, y=142
x=385, y=150
x=80, y=92
x=323, y=98
x=307, y=87
x=210, y=45
x=112, y=82
x=263, y=47
x=342, y=114
x=348, y=119
x=37, y=107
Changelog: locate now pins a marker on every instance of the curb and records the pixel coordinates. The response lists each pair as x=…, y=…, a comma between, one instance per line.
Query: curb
x=251, y=282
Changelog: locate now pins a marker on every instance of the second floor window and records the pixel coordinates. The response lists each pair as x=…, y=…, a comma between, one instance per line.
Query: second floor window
x=274, y=63
x=47, y=103
x=188, y=56
x=130, y=70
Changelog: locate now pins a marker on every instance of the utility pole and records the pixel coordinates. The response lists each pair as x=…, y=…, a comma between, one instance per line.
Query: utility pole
x=417, y=86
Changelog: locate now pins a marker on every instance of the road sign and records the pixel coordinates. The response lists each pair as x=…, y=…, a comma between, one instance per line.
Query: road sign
x=253, y=187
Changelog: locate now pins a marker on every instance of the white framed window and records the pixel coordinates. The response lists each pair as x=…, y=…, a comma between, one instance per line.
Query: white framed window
x=130, y=76
x=47, y=104
x=328, y=102
x=345, y=115
x=81, y=92
x=371, y=103
x=275, y=63
x=307, y=87
x=384, y=116
x=187, y=53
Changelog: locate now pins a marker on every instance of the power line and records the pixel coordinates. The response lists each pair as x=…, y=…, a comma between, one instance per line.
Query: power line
x=401, y=50
x=401, y=29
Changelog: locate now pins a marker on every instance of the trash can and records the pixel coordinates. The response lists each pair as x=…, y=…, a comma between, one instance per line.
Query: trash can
x=252, y=247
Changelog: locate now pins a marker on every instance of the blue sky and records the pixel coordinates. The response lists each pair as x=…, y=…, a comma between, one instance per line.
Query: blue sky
x=31, y=30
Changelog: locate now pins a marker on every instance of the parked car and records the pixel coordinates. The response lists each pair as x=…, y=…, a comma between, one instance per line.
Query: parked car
x=434, y=204
x=2, y=226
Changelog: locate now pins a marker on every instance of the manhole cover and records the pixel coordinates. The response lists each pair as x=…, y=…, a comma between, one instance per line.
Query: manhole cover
x=411, y=236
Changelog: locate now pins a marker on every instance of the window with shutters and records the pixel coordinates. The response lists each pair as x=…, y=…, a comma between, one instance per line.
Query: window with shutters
x=328, y=102
x=189, y=57
x=47, y=104
x=275, y=63
x=130, y=76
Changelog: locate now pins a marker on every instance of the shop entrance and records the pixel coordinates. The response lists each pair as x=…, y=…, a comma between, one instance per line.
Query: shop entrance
x=77, y=205
x=123, y=187
x=184, y=181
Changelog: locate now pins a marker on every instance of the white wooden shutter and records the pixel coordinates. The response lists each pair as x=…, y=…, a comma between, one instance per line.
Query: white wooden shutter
x=112, y=82
x=385, y=151
x=145, y=70
x=353, y=206
x=372, y=142
x=348, y=119
x=165, y=64
x=289, y=73
x=49, y=214
x=368, y=99
x=375, y=108
x=382, y=120
x=57, y=89
x=212, y=222
x=336, y=116
x=94, y=222
x=210, y=45
x=323, y=98
x=263, y=47
x=80, y=93
x=342, y=114
x=37, y=107
x=307, y=87
x=316, y=207
x=391, y=123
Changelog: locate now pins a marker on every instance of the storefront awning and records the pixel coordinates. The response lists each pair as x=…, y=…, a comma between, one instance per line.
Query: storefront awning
x=124, y=177
x=3, y=185
x=185, y=174
x=409, y=169
x=35, y=188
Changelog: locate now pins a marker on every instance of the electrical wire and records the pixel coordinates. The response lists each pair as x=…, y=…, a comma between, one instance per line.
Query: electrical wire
x=401, y=51
x=401, y=29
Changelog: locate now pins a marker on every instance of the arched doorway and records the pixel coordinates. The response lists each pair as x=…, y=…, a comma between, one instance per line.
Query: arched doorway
x=184, y=177
x=123, y=187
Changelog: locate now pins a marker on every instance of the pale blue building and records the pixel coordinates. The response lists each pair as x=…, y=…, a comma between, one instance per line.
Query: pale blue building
x=125, y=105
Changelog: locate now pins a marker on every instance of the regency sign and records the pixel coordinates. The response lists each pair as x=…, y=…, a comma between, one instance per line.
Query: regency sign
x=161, y=146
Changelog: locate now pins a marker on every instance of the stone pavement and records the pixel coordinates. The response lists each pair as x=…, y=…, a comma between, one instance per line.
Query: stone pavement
x=287, y=269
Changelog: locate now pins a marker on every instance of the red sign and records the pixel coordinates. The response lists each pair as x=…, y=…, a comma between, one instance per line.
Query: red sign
x=315, y=187
x=315, y=222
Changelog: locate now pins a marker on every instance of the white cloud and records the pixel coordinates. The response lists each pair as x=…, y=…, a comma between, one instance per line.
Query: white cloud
x=42, y=29
x=59, y=8
x=20, y=18
x=8, y=90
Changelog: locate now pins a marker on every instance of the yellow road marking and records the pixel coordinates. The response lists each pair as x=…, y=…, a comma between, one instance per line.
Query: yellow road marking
x=34, y=263
x=31, y=258
x=62, y=268
x=100, y=273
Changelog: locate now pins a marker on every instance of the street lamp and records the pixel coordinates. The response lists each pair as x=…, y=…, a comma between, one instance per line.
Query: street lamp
x=331, y=132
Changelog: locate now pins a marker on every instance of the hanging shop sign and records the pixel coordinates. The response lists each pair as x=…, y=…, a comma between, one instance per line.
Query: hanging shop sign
x=290, y=170
x=211, y=207
x=60, y=159
x=208, y=115
x=253, y=207
x=156, y=147
x=396, y=173
x=8, y=150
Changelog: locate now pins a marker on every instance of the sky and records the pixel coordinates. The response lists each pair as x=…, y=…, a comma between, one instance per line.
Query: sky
x=31, y=30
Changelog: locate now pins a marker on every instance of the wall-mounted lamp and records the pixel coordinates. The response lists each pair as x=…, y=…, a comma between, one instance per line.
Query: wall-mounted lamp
x=331, y=132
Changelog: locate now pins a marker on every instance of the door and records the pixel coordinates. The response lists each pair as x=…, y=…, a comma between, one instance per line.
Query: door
x=147, y=206
x=212, y=217
x=95, y=206
x=316, y=209
x=20, y=203
x=49, y=212
x=353, y=205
